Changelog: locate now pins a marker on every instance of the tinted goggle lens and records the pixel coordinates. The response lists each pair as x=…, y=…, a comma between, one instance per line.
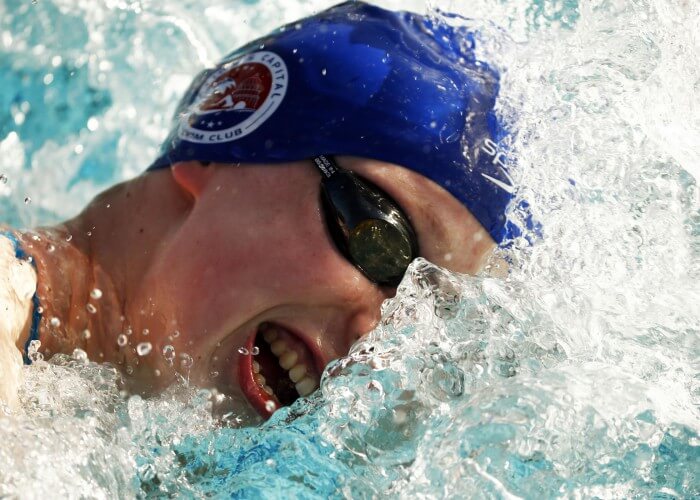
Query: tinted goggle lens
x=380, y=250
x=367, y=226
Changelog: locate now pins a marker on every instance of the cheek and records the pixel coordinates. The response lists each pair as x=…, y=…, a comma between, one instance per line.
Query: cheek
x=240, y=264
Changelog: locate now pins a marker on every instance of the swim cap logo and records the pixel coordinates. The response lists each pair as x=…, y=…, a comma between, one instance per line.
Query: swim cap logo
x=236, y=99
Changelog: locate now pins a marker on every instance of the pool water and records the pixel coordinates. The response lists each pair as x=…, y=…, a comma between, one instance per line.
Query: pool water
x=574, y=377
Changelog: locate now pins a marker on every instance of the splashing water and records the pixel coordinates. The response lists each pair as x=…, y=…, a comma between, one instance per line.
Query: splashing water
x=576, y=376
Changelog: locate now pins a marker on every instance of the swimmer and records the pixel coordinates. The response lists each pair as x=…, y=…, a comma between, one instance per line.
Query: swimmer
x=301, y=177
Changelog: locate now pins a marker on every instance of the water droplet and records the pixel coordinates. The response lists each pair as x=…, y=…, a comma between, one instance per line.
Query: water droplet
x=55, y=322
x=324, y=71
x=122, y=340
x=91, y=309
x=80, y=355
x=255, y=350
x=243, y=351
x=3, y=178
x=270, y=405
x=33, y=351
x=96, y=293
x=145, y=332
x=186, y=361
x=27, y=200
x=169, y=353
x=86, y=334
x=144, y=348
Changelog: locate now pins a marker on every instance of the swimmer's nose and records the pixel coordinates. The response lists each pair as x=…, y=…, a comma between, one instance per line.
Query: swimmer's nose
x=362, y=324
x=366, y=314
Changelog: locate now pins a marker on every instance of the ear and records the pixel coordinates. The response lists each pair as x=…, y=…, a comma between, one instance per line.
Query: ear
x=192, y=176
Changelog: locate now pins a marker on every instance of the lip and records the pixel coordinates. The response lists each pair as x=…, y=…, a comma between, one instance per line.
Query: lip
x=259, y=399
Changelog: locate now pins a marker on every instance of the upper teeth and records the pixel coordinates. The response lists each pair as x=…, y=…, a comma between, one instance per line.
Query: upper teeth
x=288, y=358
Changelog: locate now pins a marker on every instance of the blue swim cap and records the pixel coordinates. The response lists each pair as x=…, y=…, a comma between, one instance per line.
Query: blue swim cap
x=356, y=80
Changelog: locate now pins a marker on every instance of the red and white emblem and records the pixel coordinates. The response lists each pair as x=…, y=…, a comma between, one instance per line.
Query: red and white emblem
x=236, y=99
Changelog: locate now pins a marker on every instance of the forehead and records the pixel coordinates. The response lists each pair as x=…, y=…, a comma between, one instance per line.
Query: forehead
x=448, y=234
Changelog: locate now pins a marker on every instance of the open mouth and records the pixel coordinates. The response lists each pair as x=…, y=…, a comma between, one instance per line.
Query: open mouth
x=282, y=370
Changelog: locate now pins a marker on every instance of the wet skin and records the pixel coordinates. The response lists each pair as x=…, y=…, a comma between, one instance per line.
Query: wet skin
x=199, y=257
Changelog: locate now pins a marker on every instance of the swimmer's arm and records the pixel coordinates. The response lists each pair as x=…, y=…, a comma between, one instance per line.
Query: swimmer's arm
x=17, y=286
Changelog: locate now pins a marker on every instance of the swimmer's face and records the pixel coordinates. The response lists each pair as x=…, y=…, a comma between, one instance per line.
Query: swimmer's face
x=251, y=263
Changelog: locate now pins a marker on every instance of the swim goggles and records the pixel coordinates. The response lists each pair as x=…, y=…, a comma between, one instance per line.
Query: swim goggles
x=367, y=226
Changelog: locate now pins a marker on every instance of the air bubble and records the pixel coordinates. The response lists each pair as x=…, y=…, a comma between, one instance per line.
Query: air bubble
x=144, y=348
x=55, y=322
x=324, y=71
x=51, y=248
x=270, y=406
x=121, y=340
x=243, y=351
x=86, y=334
x=129, y=370
x=176, y=334
x=3, y=178
x=255, y=350
x=91, y=309
x=96, y=293
x=27, y=200
x=145, y=332
x=69, y=237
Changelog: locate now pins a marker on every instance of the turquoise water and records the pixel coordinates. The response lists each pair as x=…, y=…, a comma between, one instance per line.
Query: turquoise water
x=575, y=377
